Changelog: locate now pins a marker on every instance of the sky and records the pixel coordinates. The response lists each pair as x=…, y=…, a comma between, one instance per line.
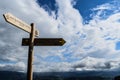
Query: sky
x=91, y=30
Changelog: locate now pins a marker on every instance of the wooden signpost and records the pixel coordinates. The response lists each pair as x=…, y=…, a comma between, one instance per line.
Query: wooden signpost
x=32, y=41
x=44, y=42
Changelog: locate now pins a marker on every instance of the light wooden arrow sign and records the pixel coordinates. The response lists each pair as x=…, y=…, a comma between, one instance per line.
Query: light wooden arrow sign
x=19, y=23
x=44, y=42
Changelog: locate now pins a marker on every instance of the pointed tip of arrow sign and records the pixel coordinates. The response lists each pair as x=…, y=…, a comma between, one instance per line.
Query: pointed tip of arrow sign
x=62, y=41
x=4, y=17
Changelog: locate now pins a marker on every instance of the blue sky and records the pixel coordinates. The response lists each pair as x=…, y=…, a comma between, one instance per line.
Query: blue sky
x=90, y=28
x=85, y=6
x=82, y=5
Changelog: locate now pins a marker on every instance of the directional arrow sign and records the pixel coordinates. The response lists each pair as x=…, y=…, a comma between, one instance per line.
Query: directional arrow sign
x=19, y=23
x=44, y=42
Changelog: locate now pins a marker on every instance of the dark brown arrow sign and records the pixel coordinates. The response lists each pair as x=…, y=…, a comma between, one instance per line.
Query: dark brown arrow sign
x=44, y=42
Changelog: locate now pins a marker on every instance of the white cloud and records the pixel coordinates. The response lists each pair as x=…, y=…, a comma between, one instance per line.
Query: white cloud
x=70, y=21
x=20, y=66
x=85, y=64
x=90, y=63
x=106, y=6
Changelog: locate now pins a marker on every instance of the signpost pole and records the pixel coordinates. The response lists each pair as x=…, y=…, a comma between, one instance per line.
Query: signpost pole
x=30, y=53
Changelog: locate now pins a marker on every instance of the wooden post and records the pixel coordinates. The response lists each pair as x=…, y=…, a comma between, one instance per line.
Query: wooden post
x=32, y=41
x=30, y=53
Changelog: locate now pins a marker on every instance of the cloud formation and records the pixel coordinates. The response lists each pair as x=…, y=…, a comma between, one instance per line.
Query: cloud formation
x=89, y=46
x=90, y=63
